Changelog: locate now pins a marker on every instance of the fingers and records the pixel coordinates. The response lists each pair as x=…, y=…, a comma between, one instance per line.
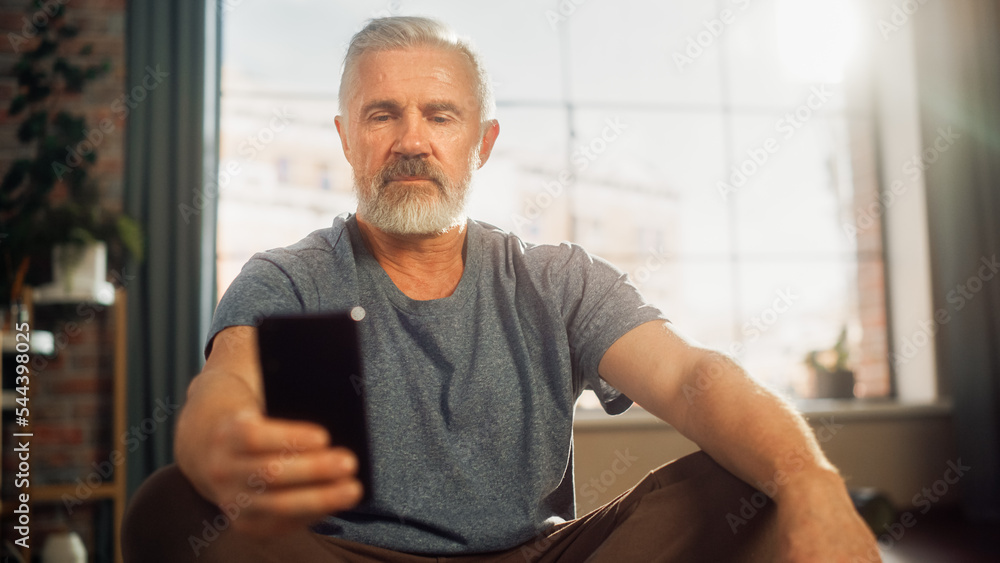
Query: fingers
x=306, y=503
x=295, y=468
x=273, y=476
x=277, y=511
x=252, y=433
x=282, y=498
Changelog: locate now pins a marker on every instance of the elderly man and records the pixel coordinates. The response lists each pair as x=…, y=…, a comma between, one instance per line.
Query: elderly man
x=476, y=346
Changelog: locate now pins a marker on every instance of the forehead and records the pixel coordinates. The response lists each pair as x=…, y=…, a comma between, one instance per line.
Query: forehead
x=409, y=75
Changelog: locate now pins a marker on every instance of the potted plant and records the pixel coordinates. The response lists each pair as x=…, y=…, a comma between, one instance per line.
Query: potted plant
x=47, y=199
x=832, y=375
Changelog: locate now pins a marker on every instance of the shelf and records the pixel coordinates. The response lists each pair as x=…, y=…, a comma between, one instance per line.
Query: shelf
x=51, y=493
x=9, y=398
x=54, y=494
x=42, y=342
x=52, y=295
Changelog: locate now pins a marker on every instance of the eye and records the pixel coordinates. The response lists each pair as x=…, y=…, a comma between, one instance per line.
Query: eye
x=440, y=119
x=383, y=118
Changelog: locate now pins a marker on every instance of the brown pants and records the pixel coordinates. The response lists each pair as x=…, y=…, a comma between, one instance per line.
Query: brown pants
x=687, y=510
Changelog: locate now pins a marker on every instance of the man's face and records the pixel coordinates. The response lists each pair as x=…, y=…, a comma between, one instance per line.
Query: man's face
x=413, y=137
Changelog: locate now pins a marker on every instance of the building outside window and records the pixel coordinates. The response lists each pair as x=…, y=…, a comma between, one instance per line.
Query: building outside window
x=715, y=151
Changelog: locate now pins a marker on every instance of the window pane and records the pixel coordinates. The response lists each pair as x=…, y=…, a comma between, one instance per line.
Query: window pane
x=520, y=48
x=758, y=46
x=514, y=189
x=625, y=52
x=791, y=308
x=623, y=126
x=660, y=169
x=696, y=295
x=796, y=201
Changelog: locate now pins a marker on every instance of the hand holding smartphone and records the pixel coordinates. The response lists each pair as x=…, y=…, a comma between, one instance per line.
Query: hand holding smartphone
x=312, y=371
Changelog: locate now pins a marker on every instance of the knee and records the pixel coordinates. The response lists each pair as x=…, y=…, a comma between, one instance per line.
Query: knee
x=161, y=514
x=692, y=466
x=701, y=478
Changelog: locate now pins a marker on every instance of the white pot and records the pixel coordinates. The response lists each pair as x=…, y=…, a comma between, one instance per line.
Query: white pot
x=64, y=547
x=79, y=273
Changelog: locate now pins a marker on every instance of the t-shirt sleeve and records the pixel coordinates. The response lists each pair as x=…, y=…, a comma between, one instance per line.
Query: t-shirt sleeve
x=263, y=287
x=600, y=305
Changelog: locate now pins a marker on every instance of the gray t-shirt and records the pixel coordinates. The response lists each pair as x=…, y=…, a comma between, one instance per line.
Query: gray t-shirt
x=470, y=397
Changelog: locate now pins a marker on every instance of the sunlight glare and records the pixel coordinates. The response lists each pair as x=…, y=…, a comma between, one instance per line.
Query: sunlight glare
x=816, y=38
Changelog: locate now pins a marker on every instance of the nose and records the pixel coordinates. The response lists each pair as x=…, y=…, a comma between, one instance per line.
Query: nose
x=412, y=138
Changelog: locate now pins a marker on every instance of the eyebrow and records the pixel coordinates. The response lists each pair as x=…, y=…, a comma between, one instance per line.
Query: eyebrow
x=390, y=105
x=443, y=106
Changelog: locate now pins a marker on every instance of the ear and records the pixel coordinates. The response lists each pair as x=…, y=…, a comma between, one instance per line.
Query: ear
x=341, y=124
x=489, y=139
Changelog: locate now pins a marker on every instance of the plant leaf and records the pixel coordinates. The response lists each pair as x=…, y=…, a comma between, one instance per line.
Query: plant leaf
x=32, y=127
x=15, y=176
x=17, y=105
x=44, y=49
x=38, y=92
x=68, y=31
x=74, y=79
x=131, y=237
x=26, y=75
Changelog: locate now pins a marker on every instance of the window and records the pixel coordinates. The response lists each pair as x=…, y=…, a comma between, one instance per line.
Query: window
x=716, y=151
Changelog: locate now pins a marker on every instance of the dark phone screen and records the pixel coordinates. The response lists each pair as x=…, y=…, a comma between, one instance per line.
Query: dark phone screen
x=312, y=371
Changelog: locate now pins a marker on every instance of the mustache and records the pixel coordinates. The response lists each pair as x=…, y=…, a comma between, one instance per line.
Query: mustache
x=410, y=167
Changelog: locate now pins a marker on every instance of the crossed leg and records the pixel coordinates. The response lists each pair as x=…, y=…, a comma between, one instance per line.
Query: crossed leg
x=687, y=510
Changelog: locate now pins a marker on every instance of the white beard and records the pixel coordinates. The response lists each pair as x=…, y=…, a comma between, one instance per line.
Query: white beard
x=396, y=209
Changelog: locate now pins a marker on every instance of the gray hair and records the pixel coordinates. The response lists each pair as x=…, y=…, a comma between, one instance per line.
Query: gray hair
x=403, y=32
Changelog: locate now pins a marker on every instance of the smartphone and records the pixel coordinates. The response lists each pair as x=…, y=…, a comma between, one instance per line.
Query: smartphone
x=312, y=371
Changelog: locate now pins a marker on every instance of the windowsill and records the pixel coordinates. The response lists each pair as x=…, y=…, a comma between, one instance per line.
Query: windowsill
x=813, y=409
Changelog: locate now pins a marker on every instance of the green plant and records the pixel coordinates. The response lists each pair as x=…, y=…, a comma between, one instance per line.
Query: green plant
x=833, y=360
x=48, y=198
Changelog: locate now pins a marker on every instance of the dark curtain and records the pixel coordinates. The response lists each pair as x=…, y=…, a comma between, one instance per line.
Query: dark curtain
x=958, y=65
x=172, y=51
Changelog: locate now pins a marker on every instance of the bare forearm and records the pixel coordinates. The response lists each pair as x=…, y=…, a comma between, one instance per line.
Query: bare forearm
x=748, y=429
x=213, y=398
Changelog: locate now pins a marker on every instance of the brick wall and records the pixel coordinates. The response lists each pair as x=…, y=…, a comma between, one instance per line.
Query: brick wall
x=72, y=393
x=871, y=366
x=102, y=25
x=70, y=404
